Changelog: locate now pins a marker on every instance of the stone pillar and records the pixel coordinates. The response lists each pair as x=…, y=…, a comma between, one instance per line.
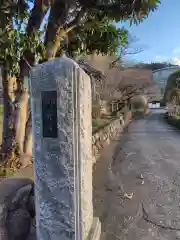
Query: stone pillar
x=60, y=94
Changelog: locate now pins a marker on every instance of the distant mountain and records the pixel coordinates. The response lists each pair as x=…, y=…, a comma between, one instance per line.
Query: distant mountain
x=155, y=65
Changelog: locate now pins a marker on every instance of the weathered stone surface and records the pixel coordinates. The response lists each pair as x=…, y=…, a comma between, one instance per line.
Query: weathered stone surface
x=63, y=165
x=15, y=220
x=15, y=192
x=18, y=224
x=85, y=152
x=103, y=137
x=32, y=234
x=95, y=230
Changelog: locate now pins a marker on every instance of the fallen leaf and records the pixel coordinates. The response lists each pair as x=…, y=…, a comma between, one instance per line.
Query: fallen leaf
x=128, y=196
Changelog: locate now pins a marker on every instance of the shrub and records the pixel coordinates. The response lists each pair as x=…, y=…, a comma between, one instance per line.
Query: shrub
x=171, y=84
x=96, y=111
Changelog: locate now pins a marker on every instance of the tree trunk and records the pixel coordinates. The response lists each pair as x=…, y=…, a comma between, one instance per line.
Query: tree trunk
x=58, y=14
x=21, y=119
x=8, y=135
x=16, y=137
x=7, y=112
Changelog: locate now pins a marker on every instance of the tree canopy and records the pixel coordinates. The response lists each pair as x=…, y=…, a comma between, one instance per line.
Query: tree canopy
x=173, y=82
x=96, y=37
x=174, y=96
x=89, y=22
x=37, y=30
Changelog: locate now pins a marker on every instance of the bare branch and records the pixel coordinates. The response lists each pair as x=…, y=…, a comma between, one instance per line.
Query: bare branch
x=126, y=49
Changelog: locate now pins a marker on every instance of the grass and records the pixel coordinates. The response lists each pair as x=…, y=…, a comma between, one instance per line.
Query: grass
x=7, y=172
x=177, y=116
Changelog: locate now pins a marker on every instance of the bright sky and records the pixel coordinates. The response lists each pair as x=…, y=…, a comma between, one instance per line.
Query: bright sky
x=159, y=34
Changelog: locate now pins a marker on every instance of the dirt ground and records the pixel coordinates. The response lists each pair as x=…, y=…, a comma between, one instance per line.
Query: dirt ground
x=102, y=177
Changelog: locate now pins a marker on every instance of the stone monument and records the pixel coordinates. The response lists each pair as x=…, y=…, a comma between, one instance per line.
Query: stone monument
x=60, y=93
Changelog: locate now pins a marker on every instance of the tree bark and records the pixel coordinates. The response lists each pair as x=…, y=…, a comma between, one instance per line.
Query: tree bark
x=17, y=140
x=21, y=120
x=8, y=97
x=56, y=28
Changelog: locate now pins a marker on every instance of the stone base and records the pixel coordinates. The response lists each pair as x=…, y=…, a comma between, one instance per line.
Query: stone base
x=95, y=231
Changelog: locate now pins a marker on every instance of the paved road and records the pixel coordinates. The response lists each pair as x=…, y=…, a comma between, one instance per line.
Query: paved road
x=152, y=148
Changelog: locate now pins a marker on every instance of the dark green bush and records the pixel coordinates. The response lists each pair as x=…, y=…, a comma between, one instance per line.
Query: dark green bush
x=172, y=120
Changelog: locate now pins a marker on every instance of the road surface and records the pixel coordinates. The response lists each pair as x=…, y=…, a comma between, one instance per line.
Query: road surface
x=147, y=165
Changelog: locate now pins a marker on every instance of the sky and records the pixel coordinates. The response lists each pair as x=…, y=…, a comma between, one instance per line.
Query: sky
x=159, y=34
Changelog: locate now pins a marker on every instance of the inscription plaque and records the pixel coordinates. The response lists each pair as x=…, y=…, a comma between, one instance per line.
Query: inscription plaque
x=49, y=114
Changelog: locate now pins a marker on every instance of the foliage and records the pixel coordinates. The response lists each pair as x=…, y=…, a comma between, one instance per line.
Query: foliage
x=134, y=11
x=172, y=83
x=34, y=28
x=96, y=36
x=117, y=82
x=7, y=171
x=175, y=92
x=13, y=45
x=174, y=96
x=127, y=48
x=87, y=22
x=100, y=123
x=173, y=120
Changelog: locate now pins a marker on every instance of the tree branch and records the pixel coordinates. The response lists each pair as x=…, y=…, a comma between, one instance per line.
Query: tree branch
x=37, y=15
x=127, y=49
x=58, y=26
x=57, y=19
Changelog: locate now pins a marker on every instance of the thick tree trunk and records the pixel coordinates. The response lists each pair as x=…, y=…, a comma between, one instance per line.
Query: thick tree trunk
x=17, y=139
x=8, y=136
x=16, y=136
x=58, y=14
x=8, y=98
x=23, y=130
x=21, y=119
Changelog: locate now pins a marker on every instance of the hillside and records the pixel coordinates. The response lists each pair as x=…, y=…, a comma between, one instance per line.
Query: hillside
x=117, y=78
x=155, y=65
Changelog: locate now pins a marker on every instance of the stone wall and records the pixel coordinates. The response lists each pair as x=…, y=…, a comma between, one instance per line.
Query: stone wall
x=172, y=120
x=103, y=137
